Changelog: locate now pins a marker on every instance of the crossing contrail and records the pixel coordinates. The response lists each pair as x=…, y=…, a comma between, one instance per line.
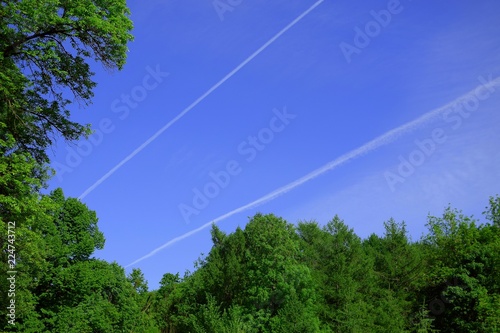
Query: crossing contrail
x=197, y=101
x=378, y=142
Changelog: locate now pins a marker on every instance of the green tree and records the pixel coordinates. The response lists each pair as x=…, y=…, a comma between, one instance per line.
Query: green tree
x=466, y=270
x=23, y=207
x=168, y=303
x=335, y=255
x=136, y=278
x=211, y=319
x=59, y=287
x=276, y=278
x=251, y=281
x=45, y=51
x=273, y=277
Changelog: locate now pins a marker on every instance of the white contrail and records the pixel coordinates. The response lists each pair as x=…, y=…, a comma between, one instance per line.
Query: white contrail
x=196, y=102
x=379, y=141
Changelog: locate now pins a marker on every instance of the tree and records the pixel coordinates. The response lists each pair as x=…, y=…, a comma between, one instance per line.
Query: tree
x=94, y=296
x=136, y=278
x=59, y=288
x=492, y=212
x=251, y=281
x=45, y=51
x=277, y=281
x=74, y=234
x=274, y=277
x=336, y=258
x=21, y=207
x=466, y=268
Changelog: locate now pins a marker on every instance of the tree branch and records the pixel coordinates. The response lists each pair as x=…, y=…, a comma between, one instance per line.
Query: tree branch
x=10, y=50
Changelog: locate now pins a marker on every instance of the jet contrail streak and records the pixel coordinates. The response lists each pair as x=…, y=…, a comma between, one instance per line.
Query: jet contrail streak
x=379, y=141
x=196, y=102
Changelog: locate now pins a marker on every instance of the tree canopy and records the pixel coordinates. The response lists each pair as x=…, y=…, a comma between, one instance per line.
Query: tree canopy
x=46, y=48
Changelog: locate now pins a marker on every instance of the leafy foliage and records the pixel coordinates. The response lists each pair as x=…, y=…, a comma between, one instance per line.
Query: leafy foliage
x=59, y=287
x=45, y=51
x=275, y=277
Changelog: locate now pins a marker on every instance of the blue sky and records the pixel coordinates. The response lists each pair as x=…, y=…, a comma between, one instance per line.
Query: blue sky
x=398, y=120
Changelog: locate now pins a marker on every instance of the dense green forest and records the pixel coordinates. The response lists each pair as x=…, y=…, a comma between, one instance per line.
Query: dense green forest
x=271, y=276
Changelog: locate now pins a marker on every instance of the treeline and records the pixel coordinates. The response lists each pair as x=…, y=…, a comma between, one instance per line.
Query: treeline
x=271, y=276
x=276, y=277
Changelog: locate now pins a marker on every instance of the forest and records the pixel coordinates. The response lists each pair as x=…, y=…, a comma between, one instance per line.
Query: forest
x=270, y=276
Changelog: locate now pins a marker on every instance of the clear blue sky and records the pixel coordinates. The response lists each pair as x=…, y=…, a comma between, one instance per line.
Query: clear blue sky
x=317, y=81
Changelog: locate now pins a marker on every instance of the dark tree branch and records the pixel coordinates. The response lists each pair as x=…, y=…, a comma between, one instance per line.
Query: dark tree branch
x=11, y=49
